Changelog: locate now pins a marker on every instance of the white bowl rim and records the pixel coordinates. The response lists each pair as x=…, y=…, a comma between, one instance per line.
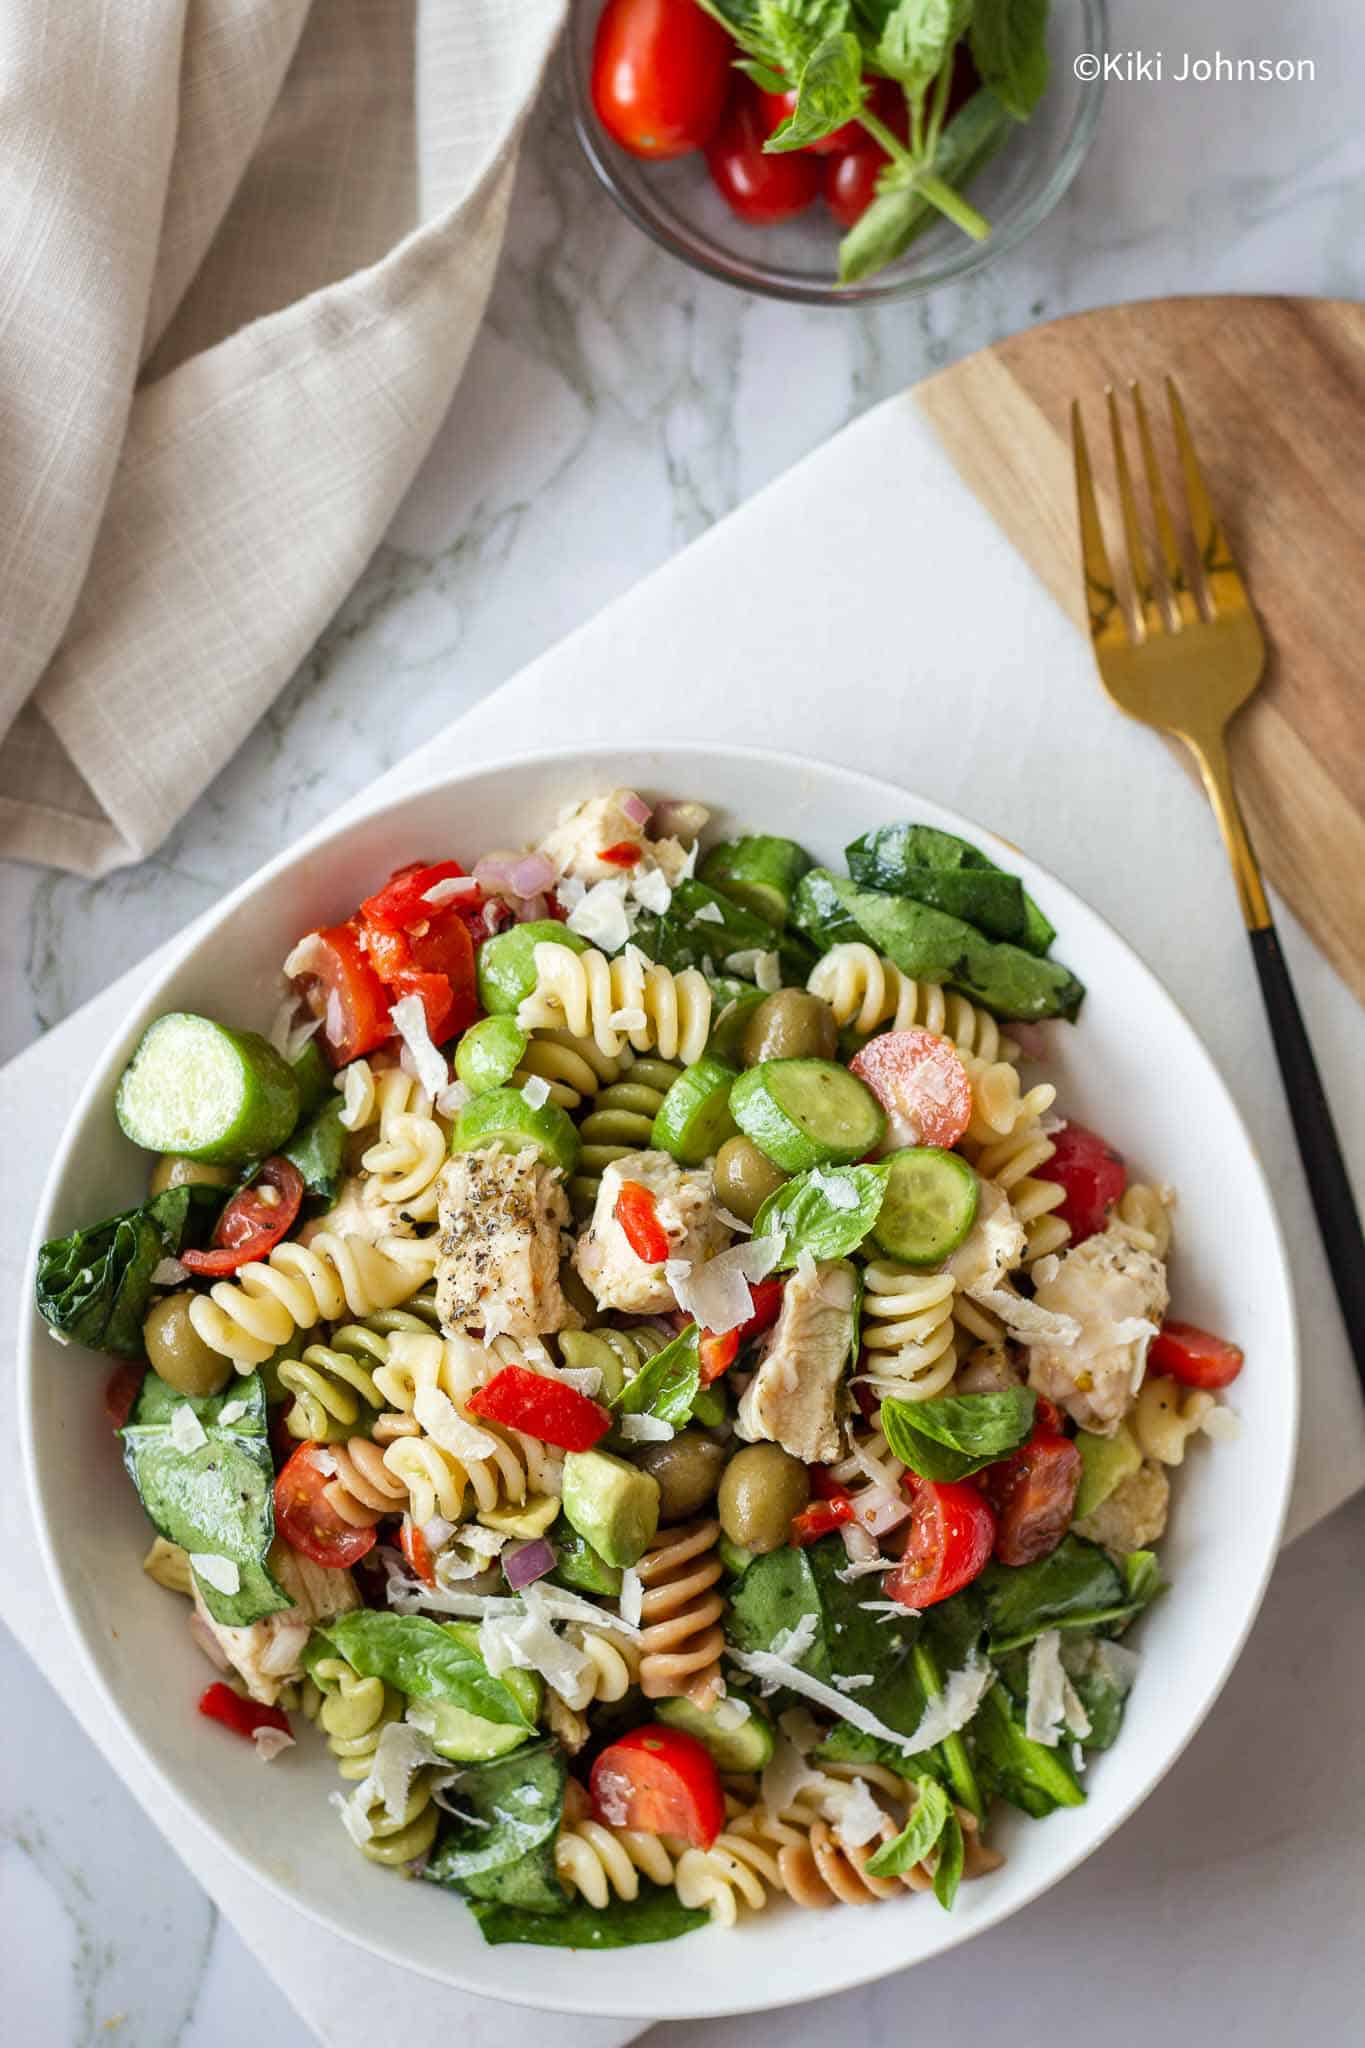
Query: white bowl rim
x=520, y=1993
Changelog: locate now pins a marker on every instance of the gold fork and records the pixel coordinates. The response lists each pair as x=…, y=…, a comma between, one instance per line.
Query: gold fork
x=1184, y=655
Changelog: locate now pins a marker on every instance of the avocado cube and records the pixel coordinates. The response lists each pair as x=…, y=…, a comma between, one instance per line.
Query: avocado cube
x=612, y=1505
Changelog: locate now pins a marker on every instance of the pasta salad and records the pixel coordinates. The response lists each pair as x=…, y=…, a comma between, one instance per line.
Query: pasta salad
x=637, y=1355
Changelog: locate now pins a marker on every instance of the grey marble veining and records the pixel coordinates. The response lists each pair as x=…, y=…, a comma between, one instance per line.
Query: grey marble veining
x=615, y=407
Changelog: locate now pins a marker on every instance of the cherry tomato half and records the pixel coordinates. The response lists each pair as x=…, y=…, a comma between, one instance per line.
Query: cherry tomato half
x=434, y=960
x=660, y=74
x=637, y=1212
x=760, y=189
x=662, y=1781
x=402, y=900
x=306, y=1518
x=253, y=1222
x=343, y=989
x=1091, y=1175
x=921, y=1083
x=1033, y=1492
x=1193, y=1356
x=949, y=1542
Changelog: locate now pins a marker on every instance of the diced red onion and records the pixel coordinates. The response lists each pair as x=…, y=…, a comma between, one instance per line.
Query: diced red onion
x=528, y=1562
x=859, y=1546
x=1031, y=1039
x=533, y=875
x=878, y=1509
x=635, y=808
x=494, y=871
x=530, y=908
x=679, y=818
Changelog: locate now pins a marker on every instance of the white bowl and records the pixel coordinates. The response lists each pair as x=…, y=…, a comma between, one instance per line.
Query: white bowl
x=1134, y=1067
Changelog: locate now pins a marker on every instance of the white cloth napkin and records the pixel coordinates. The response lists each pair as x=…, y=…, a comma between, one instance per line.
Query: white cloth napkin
x=245, y=246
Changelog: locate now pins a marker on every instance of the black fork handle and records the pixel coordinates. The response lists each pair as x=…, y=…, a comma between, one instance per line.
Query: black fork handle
x=1319, y=1146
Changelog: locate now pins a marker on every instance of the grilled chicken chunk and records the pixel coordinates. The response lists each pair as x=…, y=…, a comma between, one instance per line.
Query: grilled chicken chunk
x=684, y=1204
x=1113, y=1289
x=793, y=1398
x=269, y=1653
x=501, y=1215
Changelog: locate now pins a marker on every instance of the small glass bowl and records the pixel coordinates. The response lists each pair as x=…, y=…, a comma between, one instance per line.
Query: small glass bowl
x=679, y=208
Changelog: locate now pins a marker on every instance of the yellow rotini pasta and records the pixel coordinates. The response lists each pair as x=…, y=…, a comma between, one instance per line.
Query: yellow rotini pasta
x=402, y=1165
x=1165, y=1416
x=574, y=1068
x=1147, y=1211
x=169, y=1565
x=908, y=1331
x=626, y=1001
x=1012, y=1162
x=450, y=1457
x=613, y=1667
x=374, y=1093
x=599, y=1863
x=298, y=1286
x=681, y=1637
x=1000, y=1104
x=865, y=991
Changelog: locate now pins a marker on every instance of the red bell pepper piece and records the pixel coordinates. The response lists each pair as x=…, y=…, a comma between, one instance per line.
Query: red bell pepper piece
x=541, y=1407
x=220, y=1703
x=637, y=1212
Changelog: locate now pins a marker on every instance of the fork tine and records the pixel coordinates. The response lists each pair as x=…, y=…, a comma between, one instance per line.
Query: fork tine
x=1177, y=582
x=1148, y=611
x=1222, y=585
x=1107, y=623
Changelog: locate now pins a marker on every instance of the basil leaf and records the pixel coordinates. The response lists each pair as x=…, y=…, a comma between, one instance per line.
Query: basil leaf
x=826, y=1211
x=667, y=1384
x=829, y=93
x=900, y=212
x=216, y=1500
x=795, y=29
x=1068, y=1589
x=917, y=38
x=763, y=75
x=656, y=1914
x=926, y=1823
x=504, y=1850
x=952, y=1854
x=95, y=1286
x=954, y=1435
x=318, y=1150
x=424, y=1659
x=1009, y=49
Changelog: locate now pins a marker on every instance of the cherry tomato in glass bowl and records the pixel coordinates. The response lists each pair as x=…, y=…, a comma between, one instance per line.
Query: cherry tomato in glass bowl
x=661, y=1780
x=1091, y=1175
x=761, y=189
x=948, y=1544
x=306, y=1518
x=660, y=74
x=780, y=106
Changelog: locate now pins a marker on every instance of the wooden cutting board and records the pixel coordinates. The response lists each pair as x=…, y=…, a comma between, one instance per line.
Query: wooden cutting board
x=1275, y=393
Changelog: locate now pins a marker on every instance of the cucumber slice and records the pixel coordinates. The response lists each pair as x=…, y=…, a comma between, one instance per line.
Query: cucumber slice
x=467, y=1738
x=745, y=1747
x=197, y=1088
x=732, y=1002
x=503, y=1116
x=507, y=962
x=489, y=1053
x=314, y=1079
x=761, y=873
x=803, y=1113
x=929, y=1205
x=694, y=1117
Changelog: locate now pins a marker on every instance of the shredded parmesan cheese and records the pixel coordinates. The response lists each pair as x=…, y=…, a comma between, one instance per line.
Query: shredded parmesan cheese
x=409, y=1020
x=219, y=1572
x=186, y=1431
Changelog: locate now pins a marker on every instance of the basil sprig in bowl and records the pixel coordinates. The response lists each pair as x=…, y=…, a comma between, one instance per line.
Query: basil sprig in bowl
x=1026, y=162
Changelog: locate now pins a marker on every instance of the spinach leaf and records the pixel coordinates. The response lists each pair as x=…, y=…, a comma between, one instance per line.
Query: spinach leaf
x=216, y=1500
x=95, y=1285
x=918, y=1837
x=505, y=1851
x=848, y=1745
x=827, y=1211
x=424, y=1659
x=1070, y=1588
x=775, y=1593
x=898, y=858
x=917, y=37
x=655, y=1915
x=954, y=1435
x=319, y=1149
x=829, y=93
x=819, y=911
x=900, y=212
x=1028, y=1775
x=680, y=938
x=1009, y=49
x=667, y=1384
x=952, y=1854
x=1102, y=1685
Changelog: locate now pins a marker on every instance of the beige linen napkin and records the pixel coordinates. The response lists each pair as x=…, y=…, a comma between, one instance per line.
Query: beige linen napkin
x=245, y=246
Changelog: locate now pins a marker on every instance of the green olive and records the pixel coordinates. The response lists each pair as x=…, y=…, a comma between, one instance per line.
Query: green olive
x=178, y=1353
x=790, y=1025
x=687, y=1468
x=743, y=1179
x=576, y=1293
x=762, y=1488
x=171, y=1171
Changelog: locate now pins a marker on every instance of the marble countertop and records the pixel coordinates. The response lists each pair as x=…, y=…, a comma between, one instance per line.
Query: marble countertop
x=609, y=378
